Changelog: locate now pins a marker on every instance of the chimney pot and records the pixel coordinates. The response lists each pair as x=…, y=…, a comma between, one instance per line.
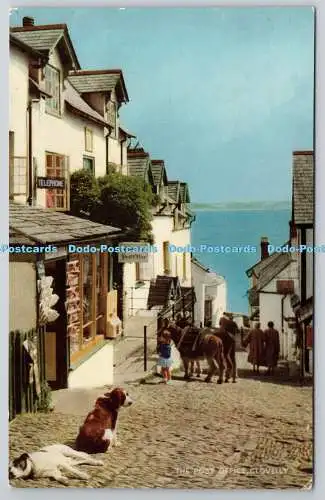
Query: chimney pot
x=264, y=247
x=28, y=21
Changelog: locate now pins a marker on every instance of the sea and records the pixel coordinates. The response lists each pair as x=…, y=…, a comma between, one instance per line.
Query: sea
x=237, y=228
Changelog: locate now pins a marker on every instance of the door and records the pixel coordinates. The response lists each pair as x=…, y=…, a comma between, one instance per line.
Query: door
x=207, y=311
x=56, y=340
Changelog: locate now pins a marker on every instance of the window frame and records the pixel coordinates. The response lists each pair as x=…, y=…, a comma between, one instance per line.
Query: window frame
x=89, y=148
x=57, y=192
x=98, y=321
x=57, y=85
x=92, y=159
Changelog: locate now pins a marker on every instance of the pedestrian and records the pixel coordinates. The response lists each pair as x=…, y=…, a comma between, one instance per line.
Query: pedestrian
x=165, y=355
x=255, y=340
x=272, y=347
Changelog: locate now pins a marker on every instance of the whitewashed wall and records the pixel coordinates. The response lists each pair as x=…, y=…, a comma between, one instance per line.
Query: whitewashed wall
x=182, y=238
x=18, y=84
x=88, y=376
x=18, y=102
x=217, y=293
x=270, y=309
x=22, y=293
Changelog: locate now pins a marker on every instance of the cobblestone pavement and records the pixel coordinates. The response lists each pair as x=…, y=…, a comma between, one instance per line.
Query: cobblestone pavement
x=252, y=434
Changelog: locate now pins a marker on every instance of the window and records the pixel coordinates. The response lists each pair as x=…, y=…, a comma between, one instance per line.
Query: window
x=111, y=116
x=89, y=164
x=87, y=287
x=57, y=166
x=52, y=86
x=166, y=257
x=17, y=170
x=89, y=140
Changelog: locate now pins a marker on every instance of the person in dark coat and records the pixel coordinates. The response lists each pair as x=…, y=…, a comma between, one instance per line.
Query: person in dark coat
x=272, y=347
x=255, y=341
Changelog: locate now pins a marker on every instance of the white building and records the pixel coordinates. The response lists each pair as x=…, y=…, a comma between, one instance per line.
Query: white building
x=274, y=280
x=211, y=294
x=63, y=119
x=171, y=225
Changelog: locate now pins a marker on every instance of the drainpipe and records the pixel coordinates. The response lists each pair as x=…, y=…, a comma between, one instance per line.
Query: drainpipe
x=107, y=137
x=30, y=153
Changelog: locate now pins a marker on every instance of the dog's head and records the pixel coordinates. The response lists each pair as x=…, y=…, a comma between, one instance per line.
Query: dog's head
x=21, y=467
x=118, y=397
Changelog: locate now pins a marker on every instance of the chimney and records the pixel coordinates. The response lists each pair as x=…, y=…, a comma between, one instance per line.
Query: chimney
x=264, y=249
x=28, y=21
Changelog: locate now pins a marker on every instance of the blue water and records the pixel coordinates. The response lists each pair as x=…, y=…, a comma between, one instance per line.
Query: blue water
x=237, y=228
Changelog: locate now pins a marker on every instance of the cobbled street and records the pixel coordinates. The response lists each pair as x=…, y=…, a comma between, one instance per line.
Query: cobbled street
x=256, y=433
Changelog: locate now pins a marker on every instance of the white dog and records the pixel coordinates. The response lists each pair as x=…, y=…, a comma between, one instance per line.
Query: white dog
x=50, y=462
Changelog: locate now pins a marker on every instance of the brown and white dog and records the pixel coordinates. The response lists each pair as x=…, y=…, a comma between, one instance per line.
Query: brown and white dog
x=98, y=432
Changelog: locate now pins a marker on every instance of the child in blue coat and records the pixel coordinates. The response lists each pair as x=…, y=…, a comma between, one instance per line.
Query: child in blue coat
x=165, y=355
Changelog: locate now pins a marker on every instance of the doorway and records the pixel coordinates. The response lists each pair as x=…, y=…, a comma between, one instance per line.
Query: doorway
x=56, y=340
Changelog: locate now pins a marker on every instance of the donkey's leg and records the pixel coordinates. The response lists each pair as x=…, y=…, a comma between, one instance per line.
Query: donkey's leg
x=212, y=368
x=191, y=368
x=186, y=366
x=228, y=367
x=198, y=369
x=220, y=362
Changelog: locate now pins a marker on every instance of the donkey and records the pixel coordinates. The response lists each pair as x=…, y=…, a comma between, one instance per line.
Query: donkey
x=183, y=322
x=226, y=332
x=194, y=345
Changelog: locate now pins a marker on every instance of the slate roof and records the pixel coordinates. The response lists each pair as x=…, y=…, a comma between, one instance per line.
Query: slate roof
x=86, y=81
x=303, y=187
x=159, y=291
x=44, y=226
x=75, y=101
x=158, y=172
x=15, y=40
x=184, y=193
x=40, y=40
x=275, y=264
x=140, y=166
x=126, y=132
x=174, y=190
x=45, y=38
x=258, y=268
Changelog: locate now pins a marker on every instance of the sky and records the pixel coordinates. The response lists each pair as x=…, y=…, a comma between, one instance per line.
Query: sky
x=223, y=95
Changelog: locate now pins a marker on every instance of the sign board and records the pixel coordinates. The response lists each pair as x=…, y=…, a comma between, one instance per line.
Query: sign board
x=51, y=182
x=133, y=252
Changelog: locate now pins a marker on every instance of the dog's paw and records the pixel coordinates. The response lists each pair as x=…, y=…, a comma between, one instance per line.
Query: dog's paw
x=117, y=443
x=98, y=462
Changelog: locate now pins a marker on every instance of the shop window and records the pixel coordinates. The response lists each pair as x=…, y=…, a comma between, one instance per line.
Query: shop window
x=92, y=295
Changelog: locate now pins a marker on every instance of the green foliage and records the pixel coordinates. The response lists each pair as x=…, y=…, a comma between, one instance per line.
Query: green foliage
x=84, y=193
x=116, y=200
